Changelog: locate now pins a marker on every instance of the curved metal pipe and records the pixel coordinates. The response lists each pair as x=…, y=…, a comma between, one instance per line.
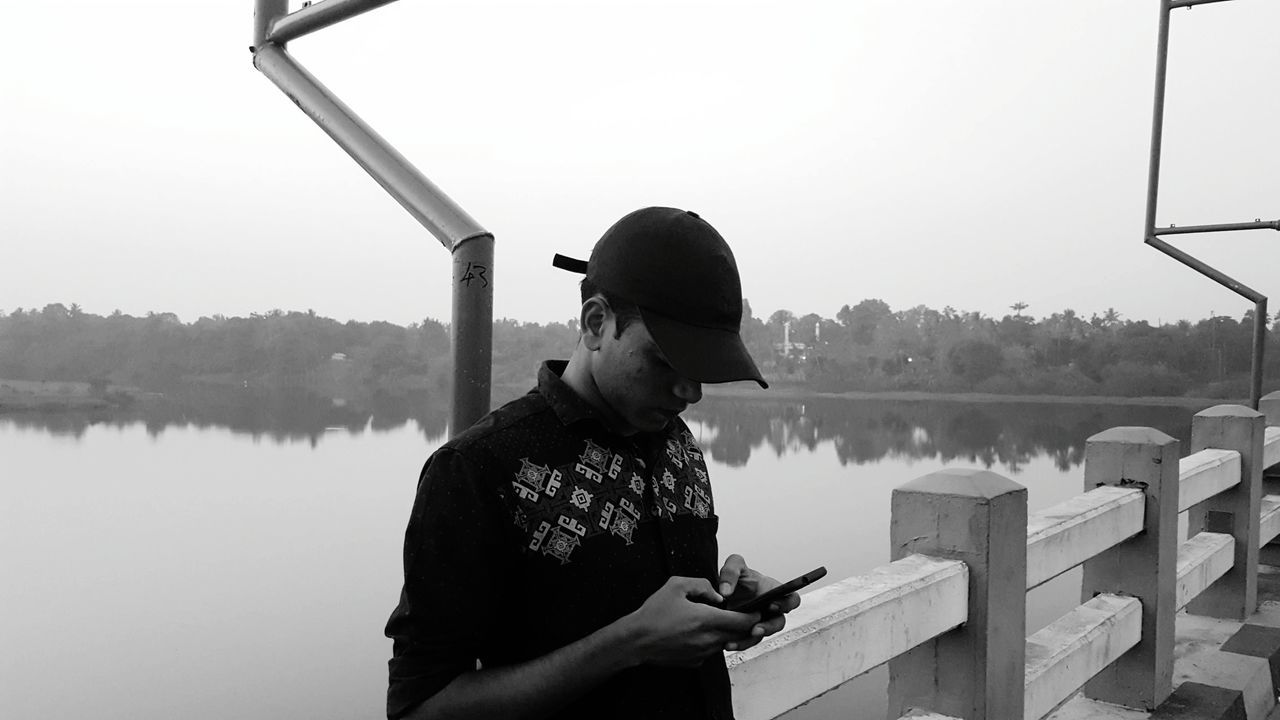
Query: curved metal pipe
x=470, y=244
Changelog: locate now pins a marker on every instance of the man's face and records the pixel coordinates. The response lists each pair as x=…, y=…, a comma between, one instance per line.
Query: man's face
x=637, y=382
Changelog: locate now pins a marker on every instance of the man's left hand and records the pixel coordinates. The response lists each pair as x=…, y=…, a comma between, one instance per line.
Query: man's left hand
x=739, y=582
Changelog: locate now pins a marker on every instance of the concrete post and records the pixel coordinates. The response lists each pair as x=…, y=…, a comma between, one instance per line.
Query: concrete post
x=1269, y=406
x=1144, y=566
x=1235, y=511
x=976, y=671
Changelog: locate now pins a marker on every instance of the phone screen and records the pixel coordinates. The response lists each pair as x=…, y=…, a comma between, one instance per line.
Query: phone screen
x=760, y=602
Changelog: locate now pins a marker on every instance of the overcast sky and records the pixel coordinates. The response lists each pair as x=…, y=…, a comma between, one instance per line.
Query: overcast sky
x=971, y=154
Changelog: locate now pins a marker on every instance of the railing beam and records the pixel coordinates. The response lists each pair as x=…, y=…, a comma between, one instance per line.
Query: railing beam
x=1203, y=474
x=1144, y=567
x=1061, y=537
x=1064, y=655
x=980, y=519
x=1201, y=561
x=846, y=628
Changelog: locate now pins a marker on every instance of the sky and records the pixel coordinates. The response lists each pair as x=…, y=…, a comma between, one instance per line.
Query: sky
x=972, y=154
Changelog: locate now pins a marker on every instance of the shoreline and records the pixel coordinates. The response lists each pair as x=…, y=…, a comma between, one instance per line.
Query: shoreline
x=54, y=396
x=797, y=393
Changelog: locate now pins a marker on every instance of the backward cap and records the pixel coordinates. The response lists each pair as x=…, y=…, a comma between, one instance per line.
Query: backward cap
x=671, y=262
x=682, y=275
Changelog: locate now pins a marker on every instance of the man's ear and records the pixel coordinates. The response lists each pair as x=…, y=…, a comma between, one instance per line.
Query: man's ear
x=594, y=321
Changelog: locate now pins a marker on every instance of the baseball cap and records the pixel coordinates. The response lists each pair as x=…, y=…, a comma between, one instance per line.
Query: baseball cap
x=682, y=276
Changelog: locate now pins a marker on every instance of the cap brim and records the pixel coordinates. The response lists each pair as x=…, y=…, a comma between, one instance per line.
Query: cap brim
x=706, y=355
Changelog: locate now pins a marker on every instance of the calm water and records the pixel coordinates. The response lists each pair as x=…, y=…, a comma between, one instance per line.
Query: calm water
x=236, y=556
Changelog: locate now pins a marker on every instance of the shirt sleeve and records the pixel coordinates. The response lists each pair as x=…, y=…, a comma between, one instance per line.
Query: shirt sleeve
x=453, y=564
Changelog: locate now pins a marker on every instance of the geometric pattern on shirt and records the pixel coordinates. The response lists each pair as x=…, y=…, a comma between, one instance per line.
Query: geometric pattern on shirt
x=691, y=448
x=596, y=462
x=603, y=493
x=620, y=519
x=558, y=541
x=581, y=499
x=531, y=480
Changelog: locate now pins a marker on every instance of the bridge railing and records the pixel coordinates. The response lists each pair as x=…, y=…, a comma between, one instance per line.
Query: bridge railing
x=948, y=614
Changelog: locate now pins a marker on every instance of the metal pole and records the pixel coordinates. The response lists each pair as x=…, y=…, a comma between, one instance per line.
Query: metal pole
x=1199, y=266
x=1226, y=227
x=1192, y=3
x=472, y=331
x=265, y=12
x=316, y=16
x=1157, y=122
x=1259, y=349
x=426, y=202
x=471, y=245
x=1153, y=186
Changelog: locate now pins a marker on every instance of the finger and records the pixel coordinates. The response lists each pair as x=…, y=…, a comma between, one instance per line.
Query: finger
x=770, y=625
x=733, y=568
x=787, y=603
x=699, y=589
x=737, y=625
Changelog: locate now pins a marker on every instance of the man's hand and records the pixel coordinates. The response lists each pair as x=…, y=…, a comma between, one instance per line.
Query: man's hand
x=679, y=625
x=739, y=582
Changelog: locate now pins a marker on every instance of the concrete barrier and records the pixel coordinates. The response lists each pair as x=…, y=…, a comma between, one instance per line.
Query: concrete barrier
x=948, y=614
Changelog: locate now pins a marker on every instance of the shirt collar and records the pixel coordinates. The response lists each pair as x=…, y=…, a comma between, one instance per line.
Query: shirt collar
x=567, y=405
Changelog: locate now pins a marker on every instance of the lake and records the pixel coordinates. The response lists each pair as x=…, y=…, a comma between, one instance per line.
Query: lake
x=230, y=554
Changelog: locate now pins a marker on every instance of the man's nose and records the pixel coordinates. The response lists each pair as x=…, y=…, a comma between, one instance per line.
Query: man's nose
x=689, y=391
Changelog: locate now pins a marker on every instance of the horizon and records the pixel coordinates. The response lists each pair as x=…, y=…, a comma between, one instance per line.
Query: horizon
x=1273, y=316
x=976, y=153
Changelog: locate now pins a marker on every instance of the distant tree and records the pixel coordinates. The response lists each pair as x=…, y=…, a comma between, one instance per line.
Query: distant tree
x=863, y=319
x=975, y=360
x=779, y=317
x=1017, y=308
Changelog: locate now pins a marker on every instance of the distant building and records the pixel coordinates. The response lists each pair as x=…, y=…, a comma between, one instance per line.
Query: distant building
x=786, y=348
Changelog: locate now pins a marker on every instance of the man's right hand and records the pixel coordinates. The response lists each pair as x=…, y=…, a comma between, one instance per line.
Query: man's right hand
x=680, y=625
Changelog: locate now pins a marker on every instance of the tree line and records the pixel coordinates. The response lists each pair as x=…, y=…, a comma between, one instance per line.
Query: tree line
x=867, y=346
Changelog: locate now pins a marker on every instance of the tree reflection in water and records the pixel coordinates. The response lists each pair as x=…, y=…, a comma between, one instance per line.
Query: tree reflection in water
x=861, y=431
x=867, y=431
x=281, y=415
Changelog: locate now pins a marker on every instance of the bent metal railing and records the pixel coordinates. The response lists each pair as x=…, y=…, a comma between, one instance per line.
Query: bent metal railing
x=948, y=613
x=1151, y=233
x=470, y=244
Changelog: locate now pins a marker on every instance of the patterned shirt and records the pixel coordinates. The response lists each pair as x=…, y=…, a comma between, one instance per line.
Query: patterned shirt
x=538, y=526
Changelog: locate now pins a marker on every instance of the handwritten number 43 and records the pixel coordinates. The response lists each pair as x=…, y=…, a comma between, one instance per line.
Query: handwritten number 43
x=475, y=272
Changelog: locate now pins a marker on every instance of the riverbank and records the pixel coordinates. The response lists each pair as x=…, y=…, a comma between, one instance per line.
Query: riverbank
x=791, y=392
x=63, y=396
x=53, y=396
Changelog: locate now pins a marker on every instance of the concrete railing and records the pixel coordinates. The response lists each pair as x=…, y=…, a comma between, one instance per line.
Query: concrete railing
x=948, y=614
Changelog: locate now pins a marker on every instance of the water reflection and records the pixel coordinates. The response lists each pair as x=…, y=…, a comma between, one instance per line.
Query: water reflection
x=281, y=415
x=868, y=431
x=861, y=431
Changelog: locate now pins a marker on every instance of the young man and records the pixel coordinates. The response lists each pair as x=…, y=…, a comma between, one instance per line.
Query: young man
x=560, y=559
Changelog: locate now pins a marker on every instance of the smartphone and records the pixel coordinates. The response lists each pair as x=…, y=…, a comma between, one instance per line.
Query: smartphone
x=760, y=602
